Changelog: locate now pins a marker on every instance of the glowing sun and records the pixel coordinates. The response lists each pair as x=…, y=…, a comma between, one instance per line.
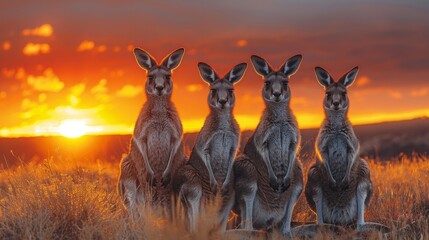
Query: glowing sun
x=73, y=128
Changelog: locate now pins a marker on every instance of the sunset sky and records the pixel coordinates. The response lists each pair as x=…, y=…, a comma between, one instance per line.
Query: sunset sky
x=68, y=64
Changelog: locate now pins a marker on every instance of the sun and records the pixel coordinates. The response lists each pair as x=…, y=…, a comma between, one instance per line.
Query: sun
x=73, y=128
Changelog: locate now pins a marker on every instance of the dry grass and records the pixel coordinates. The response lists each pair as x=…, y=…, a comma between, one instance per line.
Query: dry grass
x=69, y=200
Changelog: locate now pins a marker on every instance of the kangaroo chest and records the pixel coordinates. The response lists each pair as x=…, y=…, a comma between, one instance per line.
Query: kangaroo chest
x=337, y=156
x=278, y=143
x=220, y=149
x=160, y=138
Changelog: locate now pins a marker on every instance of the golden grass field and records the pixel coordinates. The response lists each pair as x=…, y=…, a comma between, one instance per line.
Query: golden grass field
x=65, y=199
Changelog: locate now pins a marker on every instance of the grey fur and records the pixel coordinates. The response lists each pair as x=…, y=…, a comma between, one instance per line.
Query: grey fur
x=339, y=185
x=209, y=168
x=268, y=176
x=156, y=148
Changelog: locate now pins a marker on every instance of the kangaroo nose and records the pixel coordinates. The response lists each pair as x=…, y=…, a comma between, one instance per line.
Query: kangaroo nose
x=277, y=94
x=222, y=101
x=336, y=104
x=159, y=88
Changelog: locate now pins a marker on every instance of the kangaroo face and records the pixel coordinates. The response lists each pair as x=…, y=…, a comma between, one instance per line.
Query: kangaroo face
x=158, y=81
x=221, y=89
x=221, y=94
x=336, y=92
x=276, y=87
x=336, y=97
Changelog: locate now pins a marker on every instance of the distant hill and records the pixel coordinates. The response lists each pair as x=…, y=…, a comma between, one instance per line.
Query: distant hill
x=381, y=140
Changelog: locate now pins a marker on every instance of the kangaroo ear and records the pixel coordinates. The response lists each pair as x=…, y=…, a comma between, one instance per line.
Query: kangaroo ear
x=323, y=77
x=349, y=77
x=291, y=65
x=207, y=73
x=144, y=59
x=236, y=73
x=173, y=60
x=261, y=66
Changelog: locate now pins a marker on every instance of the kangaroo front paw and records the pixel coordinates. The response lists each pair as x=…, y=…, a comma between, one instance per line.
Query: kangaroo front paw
x=150, y=179
x=285, y=184
x=213, y=185
x=166, y=178
x=274, y=184
x=344, y=185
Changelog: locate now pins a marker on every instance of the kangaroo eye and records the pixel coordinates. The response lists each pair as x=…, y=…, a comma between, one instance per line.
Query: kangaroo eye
x=168, y=77
x=212, y=91
x=230, y=91
x=285, y=83
x=150, y=78
x=328, y=95
x=267, y=83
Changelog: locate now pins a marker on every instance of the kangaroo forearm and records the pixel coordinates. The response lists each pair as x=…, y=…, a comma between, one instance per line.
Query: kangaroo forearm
x=209, y=167
x=325, y=158
x=351, y=157
x=291, y=158
x=266, y=159
x=171, y=157
x=141, y=146
x=230, y=166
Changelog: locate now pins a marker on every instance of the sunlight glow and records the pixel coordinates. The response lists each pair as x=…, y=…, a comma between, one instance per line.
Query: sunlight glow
x=73, y=128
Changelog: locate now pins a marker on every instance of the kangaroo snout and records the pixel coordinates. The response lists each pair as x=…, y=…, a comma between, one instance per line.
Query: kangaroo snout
x=223, y=101
x=159, y=88
x=336, y=105
x=277, y=94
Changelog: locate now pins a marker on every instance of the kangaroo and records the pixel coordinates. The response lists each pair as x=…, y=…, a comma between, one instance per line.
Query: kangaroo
x=156, y=148
x=339, y=185
x=210, y=165
x=268, y=177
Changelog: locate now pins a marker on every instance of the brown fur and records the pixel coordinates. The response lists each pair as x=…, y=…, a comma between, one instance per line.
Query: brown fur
x=337, y=197
x=157, y=134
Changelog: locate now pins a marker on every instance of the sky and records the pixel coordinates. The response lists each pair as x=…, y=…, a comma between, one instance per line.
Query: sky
x=66, y=67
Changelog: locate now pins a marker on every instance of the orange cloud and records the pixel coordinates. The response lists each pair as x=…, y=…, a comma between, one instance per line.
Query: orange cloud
x=45, y=30
x=42, y=97
x=88, y=45
x=129, y=91
x=20, y=73
x=102, y=48
x=36, y=48
x=395, y=94
x=362, y=81
x=32, y=108
x=8, y=72
x=85, y=46
x=116, y=49
x=241, y=43
x=48, y=82
x=100, y=91
x=6, y=46
x=420, y=92
x=130, y=48
x=194, y=87
x=75, y=92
